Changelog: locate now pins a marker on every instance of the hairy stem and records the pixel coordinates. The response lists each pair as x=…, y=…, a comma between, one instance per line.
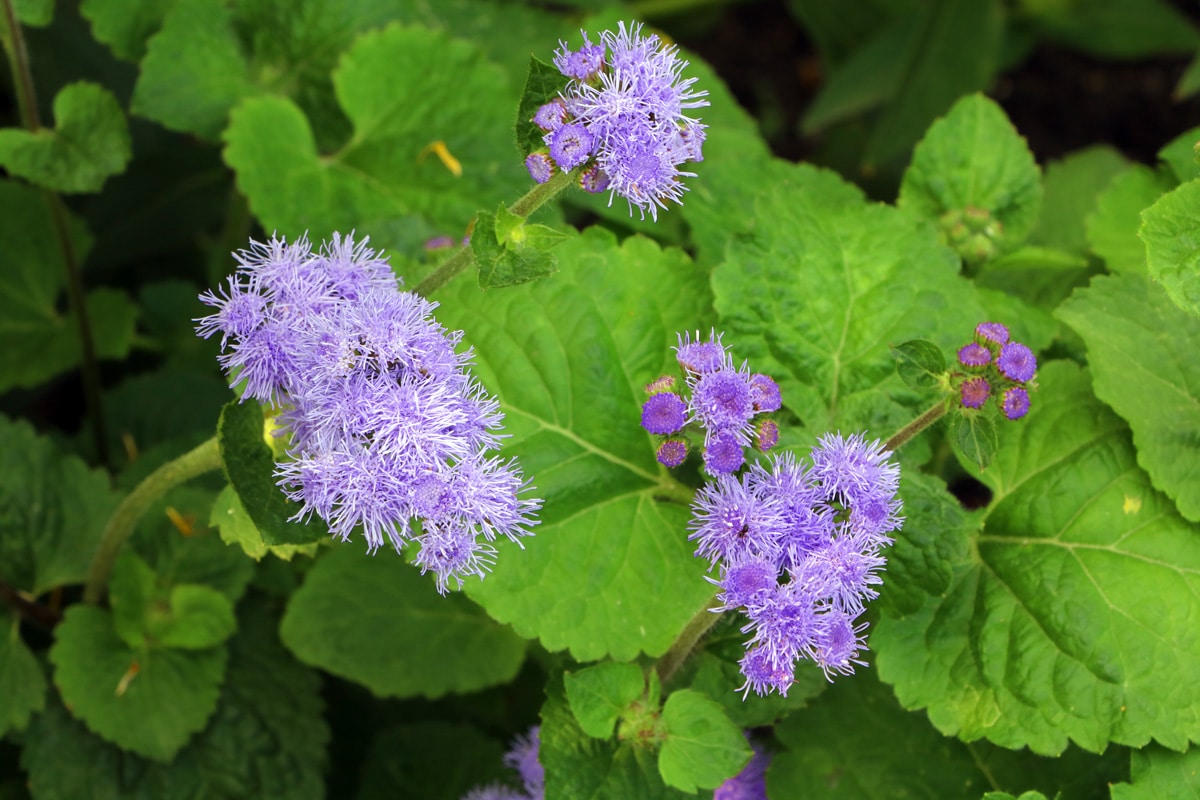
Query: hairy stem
x=120, y=526
x=936, y=412
x=18, y=61
x=534, y=199
x=683, y=646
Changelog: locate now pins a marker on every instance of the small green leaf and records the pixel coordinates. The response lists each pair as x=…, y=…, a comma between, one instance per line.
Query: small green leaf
x=250, y=465
x=89, y=143
x=1041, y=276
x=1070, y=188
x=1070, y=620
x=919, y=362
x=125, y=25
x=503, y=261
x=702, y=748
x=1182, y=156
x=22, y=684
x=131, y=591
x=542, y=84
x=52, y=511
x=974, y=436
x=236, y=527
x=599, y=695
x=1141, y=349
x=35, y=13
x=1112, y=229
x=973, y=176
x=150, y=702
x=198, y=617
x=1118, y=29
x=1171, y=231
x=578, y=765
x=377, y=621
x=1156, y=773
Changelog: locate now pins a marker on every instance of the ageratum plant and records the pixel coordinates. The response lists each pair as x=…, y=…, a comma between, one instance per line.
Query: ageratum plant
x=461, y=404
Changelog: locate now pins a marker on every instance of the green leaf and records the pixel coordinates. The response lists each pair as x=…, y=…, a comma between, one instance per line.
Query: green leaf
x=376, y=621
x=1063, y=621
x=1041, y=276
x=501, y=264
x=855, y=739
x=1189, y=81
x=609, y=570
x=131, y=589
x=919, y=363
x=22, y=684
x=125, y=25
x=1112, y=229
x=1181, y=155
x=974, y=437
x=250, y=465
x=1141, y=349
x=196, y=617
x=542, y=84
x=599, y=695
x=37, y=340
x=1070, y=188
x=35, y=13
x=52, y=511
x=89, y=143
x=919, y=63
x=1156, y=773
x=229, y=515
x=147, y=701
x=872, y=277
x=702, y=748
x=1171, y=231
x=267, y=737
x=407, y=92
x=579, y=766
x=974, y=176
x=1125, y=29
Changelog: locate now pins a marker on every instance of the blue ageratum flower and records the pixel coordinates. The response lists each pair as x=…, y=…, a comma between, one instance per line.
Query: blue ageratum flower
x=629, y=95
x=523, y=758
x=390, y=434
x=800, y=548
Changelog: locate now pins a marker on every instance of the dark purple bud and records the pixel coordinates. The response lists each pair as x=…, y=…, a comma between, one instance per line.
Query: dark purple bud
x=664, y=413
x=672, y=452
x=974, y=355
x=764, y=393
x=975, y=392
x=1017, y=362
x=540, y=167
x=992, y=331
x=1015, y=402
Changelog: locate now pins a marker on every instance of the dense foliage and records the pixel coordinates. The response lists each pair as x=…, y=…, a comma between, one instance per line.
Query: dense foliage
x=458, y=398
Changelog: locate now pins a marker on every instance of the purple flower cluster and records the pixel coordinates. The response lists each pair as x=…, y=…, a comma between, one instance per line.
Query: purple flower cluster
x=994, y=363
x=800, y=549
x=387, y=424
x=720, y=400
x=622, y=114
x=523, y=757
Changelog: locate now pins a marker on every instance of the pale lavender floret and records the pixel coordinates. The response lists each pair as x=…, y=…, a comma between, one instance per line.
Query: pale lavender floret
x=766, y=669
x=550, y=116
x=1016, y=362
x=582, y=64
x=839, y=641
x=845, y=571
x=751, y=782
x=699, y=356
x=722, y=402
x=748, y=583
x=858, y=476
x=733, y=519
x=540, y=166
x=570, y=145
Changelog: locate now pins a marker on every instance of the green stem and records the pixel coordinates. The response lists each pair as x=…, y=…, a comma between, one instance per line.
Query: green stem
x=120, y=526
x=916, y=426
x=685, y=643
x=18, y=61
x=534, y=199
